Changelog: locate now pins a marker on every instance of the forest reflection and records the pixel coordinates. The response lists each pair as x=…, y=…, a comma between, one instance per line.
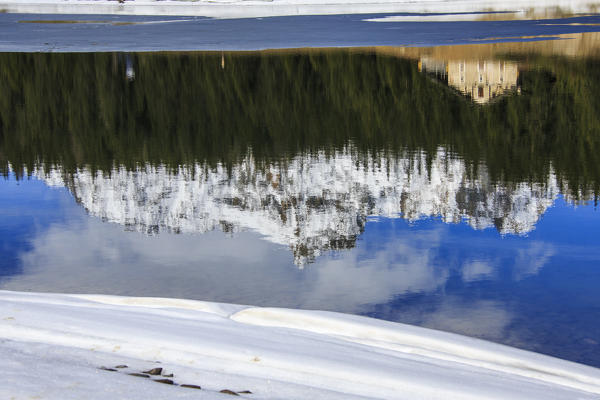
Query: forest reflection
x=303, y=146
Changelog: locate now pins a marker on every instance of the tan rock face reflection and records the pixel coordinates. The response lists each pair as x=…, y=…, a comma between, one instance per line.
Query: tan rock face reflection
x=480, y=80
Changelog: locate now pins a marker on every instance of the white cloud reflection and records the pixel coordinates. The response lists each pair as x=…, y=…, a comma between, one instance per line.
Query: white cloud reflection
x=531, y=259
x=477, y=270
x=86, y=255
x=354, y=280
x=487, y=319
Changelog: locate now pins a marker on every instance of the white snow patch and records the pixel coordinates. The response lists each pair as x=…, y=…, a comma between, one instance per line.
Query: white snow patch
x=51, y=346
x=259, y=8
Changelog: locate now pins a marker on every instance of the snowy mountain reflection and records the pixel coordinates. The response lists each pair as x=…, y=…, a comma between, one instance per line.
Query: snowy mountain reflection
x=310, y=203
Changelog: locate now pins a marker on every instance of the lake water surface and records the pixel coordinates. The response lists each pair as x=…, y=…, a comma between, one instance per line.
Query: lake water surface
x=452, y=187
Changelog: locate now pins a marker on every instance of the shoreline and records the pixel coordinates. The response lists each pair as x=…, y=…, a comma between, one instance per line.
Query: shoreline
x=271, y=352
x=466, y=9
x=122, y=33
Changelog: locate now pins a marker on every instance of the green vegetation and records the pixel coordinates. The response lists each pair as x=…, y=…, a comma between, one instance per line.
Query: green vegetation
x=80, y=109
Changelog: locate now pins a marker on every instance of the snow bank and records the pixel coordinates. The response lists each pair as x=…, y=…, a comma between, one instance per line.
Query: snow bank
x=52, y=346
x=266, y=8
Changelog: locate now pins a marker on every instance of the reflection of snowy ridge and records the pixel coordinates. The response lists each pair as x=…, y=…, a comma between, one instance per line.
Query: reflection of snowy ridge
x=312, y=203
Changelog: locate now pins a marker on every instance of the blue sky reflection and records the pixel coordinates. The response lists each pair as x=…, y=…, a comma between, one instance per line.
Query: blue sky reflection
x=519, y=290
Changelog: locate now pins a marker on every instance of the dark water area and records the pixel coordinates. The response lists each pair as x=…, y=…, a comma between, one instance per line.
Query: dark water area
x=454, y=188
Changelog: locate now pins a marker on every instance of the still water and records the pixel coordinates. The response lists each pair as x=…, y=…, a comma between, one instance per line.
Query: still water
x=453, y=187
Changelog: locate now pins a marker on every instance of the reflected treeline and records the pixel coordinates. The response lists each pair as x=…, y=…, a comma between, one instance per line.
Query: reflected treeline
x=84, y=109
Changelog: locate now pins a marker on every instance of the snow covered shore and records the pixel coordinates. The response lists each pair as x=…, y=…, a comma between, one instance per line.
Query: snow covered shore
x=53, y=346
x=267, y=8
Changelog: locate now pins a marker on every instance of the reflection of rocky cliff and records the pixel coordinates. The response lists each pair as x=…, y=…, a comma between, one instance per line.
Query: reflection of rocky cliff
x=480, y=80
x=312, y=203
